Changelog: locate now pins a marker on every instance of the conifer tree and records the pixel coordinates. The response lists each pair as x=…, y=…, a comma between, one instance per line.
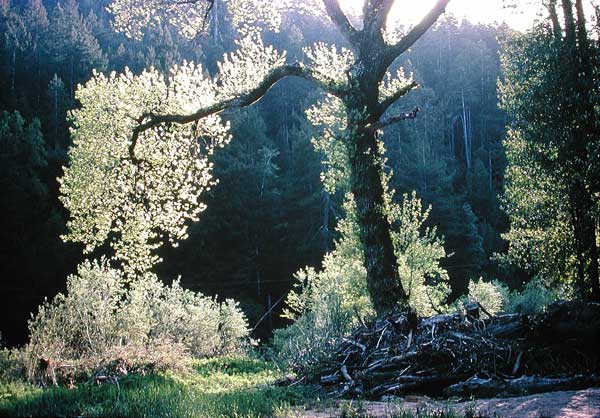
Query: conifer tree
x=73, y=48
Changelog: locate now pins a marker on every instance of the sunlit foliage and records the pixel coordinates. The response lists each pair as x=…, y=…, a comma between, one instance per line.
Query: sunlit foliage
x=99, y=318
x=492, y=296
x=541, y=238
x=133, y=17
x=329, y=118
x=552, y=163
x=393, y=83
x=330, y=62
x=135, y=194
x=327, y=304
x=156, y=190
x=242, y=70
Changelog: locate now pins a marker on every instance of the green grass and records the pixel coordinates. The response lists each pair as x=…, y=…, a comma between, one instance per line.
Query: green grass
x=216, y=388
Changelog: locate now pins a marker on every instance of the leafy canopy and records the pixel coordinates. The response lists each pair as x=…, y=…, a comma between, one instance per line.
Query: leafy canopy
x=134, y=187
x=134, y=194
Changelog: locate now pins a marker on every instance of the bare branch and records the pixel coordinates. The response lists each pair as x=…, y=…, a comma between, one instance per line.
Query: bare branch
x=339, y=18
x=385, y=104
x=415, y=33
x=395, y=119
x=149, y=120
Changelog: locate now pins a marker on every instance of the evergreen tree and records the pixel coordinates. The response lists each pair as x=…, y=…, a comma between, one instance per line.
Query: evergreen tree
x=73, y=49
x=551, y=93
x=16, y=40
x=31, y=254
x=58, y=106
x=35, y=17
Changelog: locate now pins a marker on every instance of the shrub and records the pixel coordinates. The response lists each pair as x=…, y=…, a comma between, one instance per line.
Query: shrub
x=492, y=296
x=233, y=328
x=81, y=324
x=316, y=330
x=143, y=324
x=532, y=300
x=12, y=365
x=202, y=325
x=326, y=305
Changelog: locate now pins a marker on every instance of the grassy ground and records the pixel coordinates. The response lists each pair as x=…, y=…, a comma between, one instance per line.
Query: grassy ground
x=216, y=388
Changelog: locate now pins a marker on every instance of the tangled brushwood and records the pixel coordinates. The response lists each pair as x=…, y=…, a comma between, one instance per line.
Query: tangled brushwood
x=104, y=327
x=464, y=355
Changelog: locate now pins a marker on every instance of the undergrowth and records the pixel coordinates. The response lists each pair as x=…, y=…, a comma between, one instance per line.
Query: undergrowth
x=225, y=387
x=229, y=387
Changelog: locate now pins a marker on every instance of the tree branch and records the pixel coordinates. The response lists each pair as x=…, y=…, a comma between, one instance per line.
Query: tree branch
x=377, y=11
x=395, y=119
x=551, y=6
x=337, y=16
x=415, y=33
x=386, y=103
x=150, y=120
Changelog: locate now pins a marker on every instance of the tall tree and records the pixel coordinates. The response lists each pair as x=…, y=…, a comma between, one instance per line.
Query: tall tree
x=356, y=77
x=16, y=39
x=551, y=93
x=72, y=47
x=35, y=17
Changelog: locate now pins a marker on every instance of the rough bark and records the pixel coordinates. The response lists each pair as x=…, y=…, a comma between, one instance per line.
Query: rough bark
x=584, y=229
x=383, y=280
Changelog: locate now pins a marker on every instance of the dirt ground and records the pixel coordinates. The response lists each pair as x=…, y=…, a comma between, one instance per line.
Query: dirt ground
x=575, y=404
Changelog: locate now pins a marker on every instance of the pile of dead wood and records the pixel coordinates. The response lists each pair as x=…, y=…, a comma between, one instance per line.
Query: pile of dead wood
x=469, y=354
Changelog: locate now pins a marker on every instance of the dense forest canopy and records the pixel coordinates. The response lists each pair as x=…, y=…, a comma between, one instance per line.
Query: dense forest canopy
x=270, y=205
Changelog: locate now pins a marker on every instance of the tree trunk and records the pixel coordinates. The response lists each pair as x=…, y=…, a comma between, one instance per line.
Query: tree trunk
x=584, y=228
x=383, y=280
x=466, y=139
x=581, y=104
x=13, y=72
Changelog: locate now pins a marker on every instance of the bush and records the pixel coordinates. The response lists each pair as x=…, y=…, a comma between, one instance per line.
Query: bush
x=81, y=324
x=145, y=325
x=12, y=365
x=327, y=305
x=495, y=297
x=492, y=296
x=306, y=343
x=532, y=300
x=203, y=326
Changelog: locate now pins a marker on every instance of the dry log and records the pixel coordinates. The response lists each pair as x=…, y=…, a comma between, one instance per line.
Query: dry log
x=440, y=353
x=509, y=326
x=522, y=386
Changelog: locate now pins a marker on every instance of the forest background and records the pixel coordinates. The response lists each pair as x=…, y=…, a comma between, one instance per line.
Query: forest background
x=269, y=215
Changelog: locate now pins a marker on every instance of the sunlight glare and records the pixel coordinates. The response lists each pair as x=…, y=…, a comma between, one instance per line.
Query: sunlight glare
x=408, y=12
